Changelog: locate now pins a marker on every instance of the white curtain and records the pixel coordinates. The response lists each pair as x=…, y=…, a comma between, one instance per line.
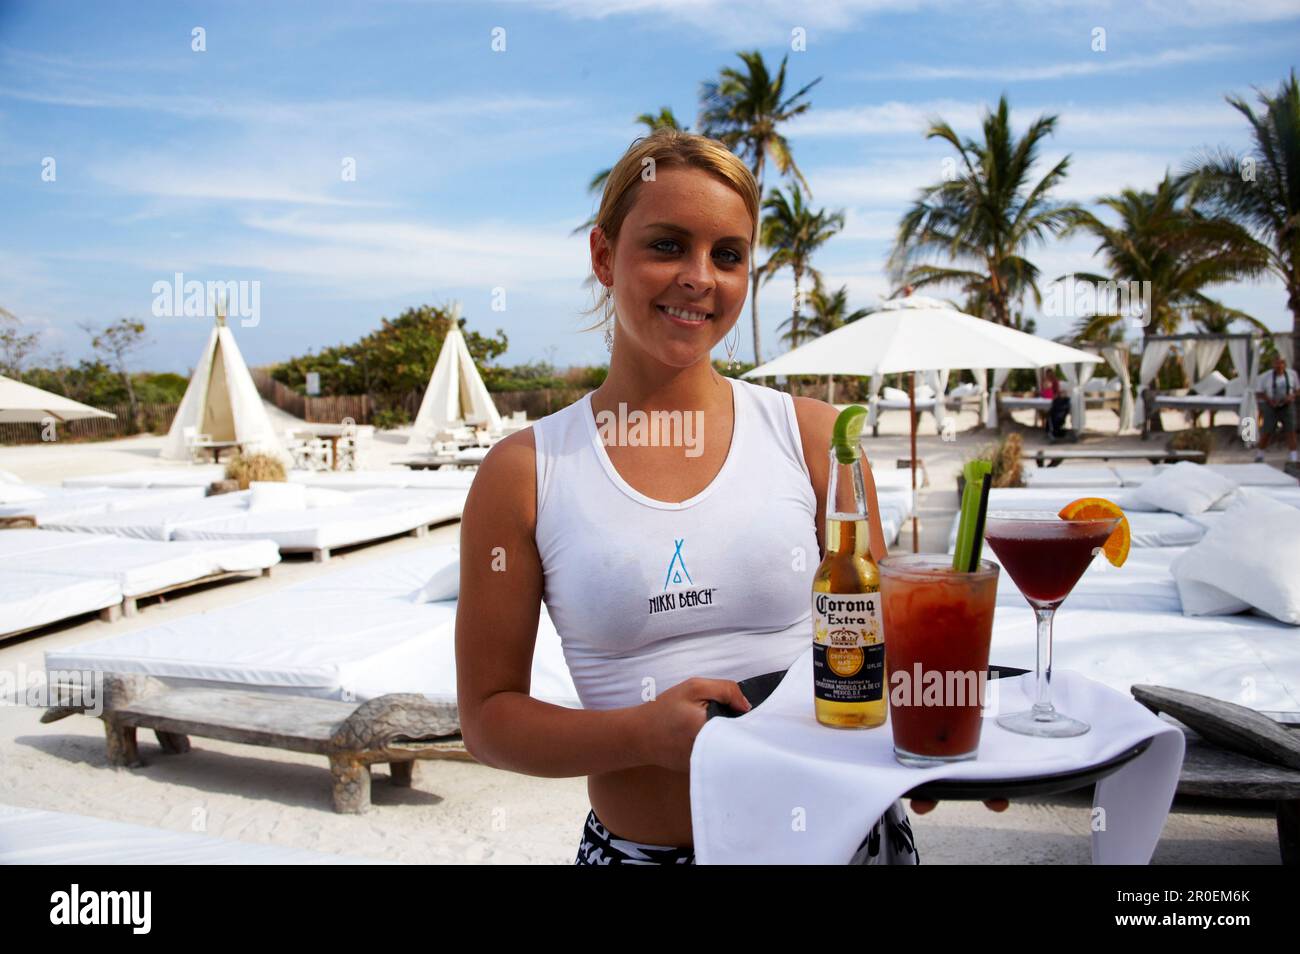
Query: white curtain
x=938, y=381
x=991, y=410
x=1285, y=346
x=1205, y=355
x=1078, y=375
x=1117, y=357
x=1244, y=361
x=981, y=382
x=1153, y=356
x=873, y=398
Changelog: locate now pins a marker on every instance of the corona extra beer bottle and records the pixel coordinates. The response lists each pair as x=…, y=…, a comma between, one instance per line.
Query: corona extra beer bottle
x=848, y=635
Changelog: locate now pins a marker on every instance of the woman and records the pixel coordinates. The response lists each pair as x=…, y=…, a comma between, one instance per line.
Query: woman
x=667, y=565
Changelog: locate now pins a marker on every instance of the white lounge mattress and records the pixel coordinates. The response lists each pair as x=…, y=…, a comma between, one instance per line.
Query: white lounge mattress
x=1244, y=475
x=155, y=522
x=1067, y=476
x=1243, y=659
x=28, y=600
x=30, y=836
x=61, y=502
x=24, y=542
x=144, y=566
x=374, y=514
x=379, y=479
x=196, y=475
x=310, y=641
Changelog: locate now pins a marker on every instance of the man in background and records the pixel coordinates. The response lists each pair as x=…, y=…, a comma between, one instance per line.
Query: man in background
x=1276, y=390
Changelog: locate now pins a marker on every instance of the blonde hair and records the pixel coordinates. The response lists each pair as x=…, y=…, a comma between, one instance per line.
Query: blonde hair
x=665, y=148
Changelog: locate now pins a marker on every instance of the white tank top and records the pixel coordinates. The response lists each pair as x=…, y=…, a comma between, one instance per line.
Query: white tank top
x=647, y=593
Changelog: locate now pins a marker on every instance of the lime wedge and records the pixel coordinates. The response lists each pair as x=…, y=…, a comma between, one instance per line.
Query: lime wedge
x=847, y=430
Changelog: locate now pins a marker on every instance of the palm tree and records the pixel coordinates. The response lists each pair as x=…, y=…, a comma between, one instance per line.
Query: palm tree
x=744, y=111
x=984, y=216
x=663, y=119
x=1262, y=192
x=795, y=231
x=1176, y=251
x=829, y=311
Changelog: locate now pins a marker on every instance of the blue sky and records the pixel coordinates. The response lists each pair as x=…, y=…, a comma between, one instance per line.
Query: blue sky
x=471, y=165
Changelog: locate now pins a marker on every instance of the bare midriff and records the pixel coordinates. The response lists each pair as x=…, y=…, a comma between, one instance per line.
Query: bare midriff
x=648, y=804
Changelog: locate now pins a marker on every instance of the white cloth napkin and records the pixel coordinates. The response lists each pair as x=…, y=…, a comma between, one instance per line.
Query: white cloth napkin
x=774, y=786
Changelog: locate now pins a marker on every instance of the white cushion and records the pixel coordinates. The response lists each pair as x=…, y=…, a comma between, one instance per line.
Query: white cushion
x=1212, y=383
x=1247, y=560
x=269, y=496
x=324, y=497
x=1185, y=488
x=893, y=394
x=964, y=389
x=1236, y=387
x=18, y=493
x=445, y=582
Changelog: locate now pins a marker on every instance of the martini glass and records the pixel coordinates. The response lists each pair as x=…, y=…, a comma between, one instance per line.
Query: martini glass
x=1045, y=556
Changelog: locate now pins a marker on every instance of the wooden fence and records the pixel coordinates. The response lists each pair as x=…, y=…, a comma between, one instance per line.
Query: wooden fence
x=157, y=418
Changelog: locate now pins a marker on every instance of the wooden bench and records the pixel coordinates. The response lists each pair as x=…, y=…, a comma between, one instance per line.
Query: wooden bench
x=1054, y=458
x=1236, y=753
x=399, y=728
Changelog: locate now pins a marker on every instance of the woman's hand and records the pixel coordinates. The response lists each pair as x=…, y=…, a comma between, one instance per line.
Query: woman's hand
x=922, y=805
x=670, y=723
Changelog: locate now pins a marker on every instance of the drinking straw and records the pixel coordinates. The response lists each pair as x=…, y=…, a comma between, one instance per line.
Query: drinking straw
x=974, y=499
x=977, y=544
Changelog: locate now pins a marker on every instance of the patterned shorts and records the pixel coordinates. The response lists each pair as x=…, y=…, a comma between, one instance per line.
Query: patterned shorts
x=889, y=842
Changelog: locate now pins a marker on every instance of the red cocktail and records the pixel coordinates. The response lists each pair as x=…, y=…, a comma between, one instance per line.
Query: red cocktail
x=1045, y=556
x=938, y=623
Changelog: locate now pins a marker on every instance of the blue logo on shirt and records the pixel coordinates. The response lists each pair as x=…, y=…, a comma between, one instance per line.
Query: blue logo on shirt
x=675, y=576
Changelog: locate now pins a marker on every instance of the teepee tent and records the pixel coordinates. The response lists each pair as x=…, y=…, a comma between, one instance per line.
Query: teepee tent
x=456, y=394
x=222, y=402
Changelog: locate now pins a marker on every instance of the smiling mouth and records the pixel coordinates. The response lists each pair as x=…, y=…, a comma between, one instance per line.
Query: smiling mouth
x=683, y=315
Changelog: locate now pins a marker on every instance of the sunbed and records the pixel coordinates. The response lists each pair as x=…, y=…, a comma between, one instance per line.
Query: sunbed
x=31, y=600
x=32, y=836
x=354, y=640
x=59, y=503
x=187, y=476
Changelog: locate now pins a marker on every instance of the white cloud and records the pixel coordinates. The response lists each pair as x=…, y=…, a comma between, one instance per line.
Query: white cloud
x=1096, y=64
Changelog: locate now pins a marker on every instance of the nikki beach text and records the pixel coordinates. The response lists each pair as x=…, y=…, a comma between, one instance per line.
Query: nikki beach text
x=103, y=907
x=636, y=428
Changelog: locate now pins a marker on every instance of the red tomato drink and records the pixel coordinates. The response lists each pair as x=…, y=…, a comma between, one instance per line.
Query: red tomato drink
x=938, y=624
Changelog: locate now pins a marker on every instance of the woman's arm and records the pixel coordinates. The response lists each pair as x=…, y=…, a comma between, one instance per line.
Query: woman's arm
x=816, y=423
x=496, y=630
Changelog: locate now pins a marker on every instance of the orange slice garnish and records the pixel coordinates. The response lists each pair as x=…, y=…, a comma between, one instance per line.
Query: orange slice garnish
x=1117, y=544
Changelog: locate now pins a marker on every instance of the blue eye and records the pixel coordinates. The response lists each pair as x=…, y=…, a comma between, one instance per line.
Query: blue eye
x=736, y=257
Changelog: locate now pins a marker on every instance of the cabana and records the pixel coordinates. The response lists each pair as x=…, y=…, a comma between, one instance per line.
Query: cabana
x=221, y=406
x=1211, y=391
x=456, y=397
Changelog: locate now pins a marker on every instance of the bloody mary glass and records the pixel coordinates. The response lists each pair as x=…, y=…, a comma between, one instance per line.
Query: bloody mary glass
x=1045, y=556
x=938, y=623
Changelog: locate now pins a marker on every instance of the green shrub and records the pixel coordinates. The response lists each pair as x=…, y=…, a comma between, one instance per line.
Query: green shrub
x=1194, y=438
x=389, y=418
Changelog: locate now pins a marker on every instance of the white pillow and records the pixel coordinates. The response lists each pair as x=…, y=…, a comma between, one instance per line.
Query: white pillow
x=270, y=496
x=1248, y=560
x=19, y=493
x=1185, y=488
x=893, y=394
x=1236, y=387
x=445, y=582
x=964, y=389
x=324, y=497
x=1212, y=383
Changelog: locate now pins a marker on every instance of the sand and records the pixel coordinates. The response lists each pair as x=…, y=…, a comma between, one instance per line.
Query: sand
x=469, y=813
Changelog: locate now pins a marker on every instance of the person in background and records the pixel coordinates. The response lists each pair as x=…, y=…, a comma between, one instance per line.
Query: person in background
x=1276, y=390
x=1060, y=409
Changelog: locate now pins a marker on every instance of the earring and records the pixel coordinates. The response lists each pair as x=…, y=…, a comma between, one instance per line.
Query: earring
x=731, y=349
x=609, y=323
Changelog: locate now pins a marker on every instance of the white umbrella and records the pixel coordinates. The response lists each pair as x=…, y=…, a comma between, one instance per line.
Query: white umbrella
x=23, y=404
x=917, y=333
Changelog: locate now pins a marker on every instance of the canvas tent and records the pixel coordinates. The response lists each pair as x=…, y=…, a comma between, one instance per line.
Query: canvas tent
x=222, y=402
x=456, y=394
